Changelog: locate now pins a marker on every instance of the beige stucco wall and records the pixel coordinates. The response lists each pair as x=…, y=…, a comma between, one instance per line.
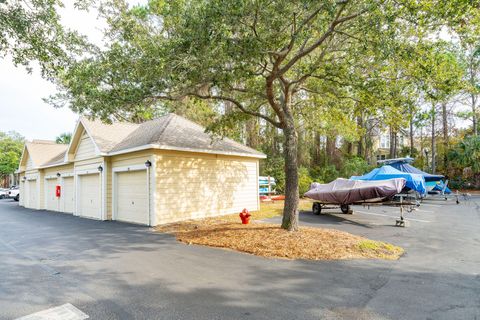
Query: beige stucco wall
x=62, y=169
x=183, y=185
x=194, y=185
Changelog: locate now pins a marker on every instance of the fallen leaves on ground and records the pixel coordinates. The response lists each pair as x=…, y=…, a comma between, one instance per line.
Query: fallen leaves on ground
x=269, y=240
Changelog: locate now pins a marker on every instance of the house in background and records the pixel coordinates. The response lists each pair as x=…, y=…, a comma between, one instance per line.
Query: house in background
x=382, y=144
x=157, y=172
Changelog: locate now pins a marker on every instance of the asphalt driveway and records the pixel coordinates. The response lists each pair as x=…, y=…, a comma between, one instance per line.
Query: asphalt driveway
x=112, y=270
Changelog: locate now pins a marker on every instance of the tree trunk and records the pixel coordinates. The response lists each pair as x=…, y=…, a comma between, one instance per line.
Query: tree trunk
x=411, y=136
x=253, y=137
x=301, y=149
x=434, y=153
x=422, y=151
x=273, y=137
x=317, y=149
x=474, y=114
x=445, y=136
x=330, y=149
x=360, y=152
x=395, y=144
x=392, y=144
x=350, y=148
x=290, y=209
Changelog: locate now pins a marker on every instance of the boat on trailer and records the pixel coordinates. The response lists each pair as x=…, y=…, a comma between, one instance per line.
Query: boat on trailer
x=342, y=193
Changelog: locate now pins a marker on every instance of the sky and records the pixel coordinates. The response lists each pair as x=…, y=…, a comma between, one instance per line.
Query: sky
x=21, y=106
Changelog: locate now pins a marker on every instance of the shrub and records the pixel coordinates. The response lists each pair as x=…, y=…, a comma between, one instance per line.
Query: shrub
x=324, y=174
x=304, y=180
x=275, y=167
x=354, y=167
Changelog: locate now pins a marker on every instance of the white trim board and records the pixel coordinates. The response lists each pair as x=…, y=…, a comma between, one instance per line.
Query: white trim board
x=153, y=200
x=103, y=189
x=87, y=171
x=135, y=167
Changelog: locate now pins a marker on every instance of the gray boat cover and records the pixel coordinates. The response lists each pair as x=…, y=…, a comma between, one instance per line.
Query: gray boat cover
x=345, y=191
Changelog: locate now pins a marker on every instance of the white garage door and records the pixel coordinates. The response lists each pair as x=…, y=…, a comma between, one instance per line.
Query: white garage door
x=31, y=198
x=68, y=195
x=132, y=197
x=51, y=199
x=89, y=196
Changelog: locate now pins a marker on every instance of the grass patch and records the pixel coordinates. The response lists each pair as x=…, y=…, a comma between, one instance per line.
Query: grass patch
x=379, y=249
x=269, y=240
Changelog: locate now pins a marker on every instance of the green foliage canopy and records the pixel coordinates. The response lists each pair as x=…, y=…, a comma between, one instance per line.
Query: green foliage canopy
x=64, y=138
x=11, y=147
x=30, y=30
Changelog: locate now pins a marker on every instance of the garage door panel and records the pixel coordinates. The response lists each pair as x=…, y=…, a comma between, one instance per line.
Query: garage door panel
x=51, y=200
x=132, y=197
x=32, y=193
x=68, y=195
x=89, y=194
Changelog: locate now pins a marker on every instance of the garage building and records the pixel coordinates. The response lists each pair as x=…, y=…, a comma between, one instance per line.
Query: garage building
x=157, y=172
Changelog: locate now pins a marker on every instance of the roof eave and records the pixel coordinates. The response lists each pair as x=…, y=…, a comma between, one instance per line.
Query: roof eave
x=170, y=148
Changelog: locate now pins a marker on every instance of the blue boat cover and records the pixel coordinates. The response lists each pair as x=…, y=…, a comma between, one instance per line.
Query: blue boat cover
x=439, y=187
x=414, y=181
x=406, y=167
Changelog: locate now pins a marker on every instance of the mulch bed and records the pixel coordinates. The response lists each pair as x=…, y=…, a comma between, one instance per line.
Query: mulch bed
x=269, y=240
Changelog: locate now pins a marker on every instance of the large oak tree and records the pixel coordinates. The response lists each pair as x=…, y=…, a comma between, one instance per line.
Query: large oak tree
x=274, y=60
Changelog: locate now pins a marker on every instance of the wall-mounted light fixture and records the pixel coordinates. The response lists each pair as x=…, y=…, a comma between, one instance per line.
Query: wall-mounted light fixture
x=100, y=168
x=148, y=164
x=58, y=174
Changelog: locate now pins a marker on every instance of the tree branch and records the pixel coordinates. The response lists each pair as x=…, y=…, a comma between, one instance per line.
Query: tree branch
x=302, y=53
x=238, y=105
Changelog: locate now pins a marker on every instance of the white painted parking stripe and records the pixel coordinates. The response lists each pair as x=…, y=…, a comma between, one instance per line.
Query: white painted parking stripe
x=63, y=312
x=430, y=205
x=386, y=215
x=421, y=210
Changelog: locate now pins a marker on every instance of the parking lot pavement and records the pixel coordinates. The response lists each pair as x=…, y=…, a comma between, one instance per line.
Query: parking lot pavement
x=110, y=270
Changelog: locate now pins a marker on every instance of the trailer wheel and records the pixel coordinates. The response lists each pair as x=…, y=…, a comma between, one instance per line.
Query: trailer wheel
x=316, y=208
x=345, y=208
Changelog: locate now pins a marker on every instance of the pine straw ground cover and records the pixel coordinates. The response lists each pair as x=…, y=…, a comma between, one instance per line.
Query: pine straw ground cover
x=269, y=240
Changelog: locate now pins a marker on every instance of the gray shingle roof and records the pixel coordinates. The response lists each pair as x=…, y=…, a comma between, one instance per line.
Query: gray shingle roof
x=170, y=132
x=177, y=133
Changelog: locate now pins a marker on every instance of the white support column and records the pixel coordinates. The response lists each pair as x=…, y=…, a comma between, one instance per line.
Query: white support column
x=153, y=193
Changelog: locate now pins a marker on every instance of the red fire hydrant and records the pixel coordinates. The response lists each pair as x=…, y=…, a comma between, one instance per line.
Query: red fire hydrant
x=245, y=216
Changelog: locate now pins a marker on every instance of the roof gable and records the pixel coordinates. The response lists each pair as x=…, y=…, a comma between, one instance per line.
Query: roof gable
x=86, y=148
x=40, y=153
x=107, y=136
